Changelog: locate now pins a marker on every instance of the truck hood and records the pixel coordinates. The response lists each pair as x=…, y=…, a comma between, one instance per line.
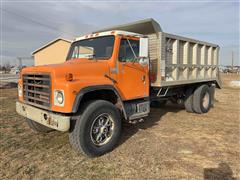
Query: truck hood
x=78, y=67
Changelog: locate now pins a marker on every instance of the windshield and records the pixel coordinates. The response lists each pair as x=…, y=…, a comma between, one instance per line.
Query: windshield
x=96, y=48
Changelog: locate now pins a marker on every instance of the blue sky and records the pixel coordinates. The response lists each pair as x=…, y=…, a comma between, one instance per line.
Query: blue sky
x=27, y=26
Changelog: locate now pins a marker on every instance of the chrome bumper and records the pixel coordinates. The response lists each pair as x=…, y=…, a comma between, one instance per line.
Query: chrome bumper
x=46, y=118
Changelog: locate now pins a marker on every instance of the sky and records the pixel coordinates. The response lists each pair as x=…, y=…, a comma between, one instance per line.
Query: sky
x=27, y=25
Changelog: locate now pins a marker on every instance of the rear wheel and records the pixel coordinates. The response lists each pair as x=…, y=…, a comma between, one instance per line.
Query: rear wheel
x=202, y=99
x=212, y=93
x=38, y=127
x=97, y=129
x=188, y=103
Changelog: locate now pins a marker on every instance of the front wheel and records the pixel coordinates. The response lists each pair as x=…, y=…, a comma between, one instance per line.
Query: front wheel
x=38, y=127
x=97, y=129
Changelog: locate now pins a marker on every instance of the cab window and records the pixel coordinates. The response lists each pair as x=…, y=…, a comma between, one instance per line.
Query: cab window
x=126, y=53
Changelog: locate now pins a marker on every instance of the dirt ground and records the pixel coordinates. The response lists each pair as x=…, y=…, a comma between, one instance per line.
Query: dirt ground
x=169, y=144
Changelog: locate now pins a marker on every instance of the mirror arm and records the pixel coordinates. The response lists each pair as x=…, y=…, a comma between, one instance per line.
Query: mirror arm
x=131, y=48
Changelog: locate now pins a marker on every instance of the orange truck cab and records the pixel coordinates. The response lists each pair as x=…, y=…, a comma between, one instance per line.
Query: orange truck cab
x=107, y=78
x=104, y=69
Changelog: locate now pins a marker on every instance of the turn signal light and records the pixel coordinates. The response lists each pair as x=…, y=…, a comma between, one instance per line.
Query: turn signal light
x=69, y=77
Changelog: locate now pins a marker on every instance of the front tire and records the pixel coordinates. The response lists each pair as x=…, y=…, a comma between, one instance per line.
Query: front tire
x=97, y=129
x=38, y=127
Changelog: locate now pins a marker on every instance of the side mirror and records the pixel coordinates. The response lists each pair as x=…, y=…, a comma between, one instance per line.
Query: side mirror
x=143, y=50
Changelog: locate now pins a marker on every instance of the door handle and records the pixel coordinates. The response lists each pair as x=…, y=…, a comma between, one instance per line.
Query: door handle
x=143, y=78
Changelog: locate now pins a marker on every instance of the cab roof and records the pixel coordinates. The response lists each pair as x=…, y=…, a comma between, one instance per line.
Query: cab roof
x=108, y=33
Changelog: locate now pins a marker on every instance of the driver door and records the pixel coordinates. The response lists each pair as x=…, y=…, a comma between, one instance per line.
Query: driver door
x=133, y=78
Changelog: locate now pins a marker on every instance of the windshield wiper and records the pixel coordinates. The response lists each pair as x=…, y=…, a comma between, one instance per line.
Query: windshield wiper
x=104, y=57
x=92, y=56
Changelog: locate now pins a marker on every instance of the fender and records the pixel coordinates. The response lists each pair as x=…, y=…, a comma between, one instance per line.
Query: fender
x=94, y=88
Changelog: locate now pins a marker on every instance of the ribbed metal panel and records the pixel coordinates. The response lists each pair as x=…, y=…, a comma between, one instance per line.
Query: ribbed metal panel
x=185, y=60
x=153, y=53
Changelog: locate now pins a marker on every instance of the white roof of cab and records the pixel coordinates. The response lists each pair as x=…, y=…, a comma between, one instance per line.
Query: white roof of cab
x=108, y=33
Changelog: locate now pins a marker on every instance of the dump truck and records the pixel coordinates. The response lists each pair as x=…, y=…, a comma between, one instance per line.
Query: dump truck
x=116, y=75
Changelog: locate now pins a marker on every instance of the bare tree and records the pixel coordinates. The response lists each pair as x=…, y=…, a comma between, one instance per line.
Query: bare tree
x=6, y=67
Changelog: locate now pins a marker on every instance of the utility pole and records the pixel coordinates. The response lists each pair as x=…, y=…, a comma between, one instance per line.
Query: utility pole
x=19, y=62
x=232, y=59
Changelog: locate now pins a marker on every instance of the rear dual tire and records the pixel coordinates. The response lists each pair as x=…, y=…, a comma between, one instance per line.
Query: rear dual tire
x=202, y=99
x=198, y=101
x=188, y=103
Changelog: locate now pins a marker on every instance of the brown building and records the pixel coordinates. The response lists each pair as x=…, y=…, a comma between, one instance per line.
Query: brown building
x=52, y=53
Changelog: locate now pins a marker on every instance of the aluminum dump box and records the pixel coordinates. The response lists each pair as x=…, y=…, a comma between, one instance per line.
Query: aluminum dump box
x=178, y=60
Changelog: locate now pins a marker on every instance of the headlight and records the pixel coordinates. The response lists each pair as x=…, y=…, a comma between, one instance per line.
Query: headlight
x=59, y=97
x=19, y=90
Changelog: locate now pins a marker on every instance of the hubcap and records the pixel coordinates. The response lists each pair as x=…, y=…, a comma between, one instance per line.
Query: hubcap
x=102, y=129
x=206, y=100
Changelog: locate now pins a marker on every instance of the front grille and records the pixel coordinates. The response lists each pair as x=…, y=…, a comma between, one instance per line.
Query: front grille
x=37, y=90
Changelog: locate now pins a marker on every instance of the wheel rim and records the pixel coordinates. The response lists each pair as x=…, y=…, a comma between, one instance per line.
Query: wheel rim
x=206, y=100
x=102, y=129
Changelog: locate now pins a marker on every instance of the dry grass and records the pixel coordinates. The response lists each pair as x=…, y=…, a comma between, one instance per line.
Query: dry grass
x=170, y=144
